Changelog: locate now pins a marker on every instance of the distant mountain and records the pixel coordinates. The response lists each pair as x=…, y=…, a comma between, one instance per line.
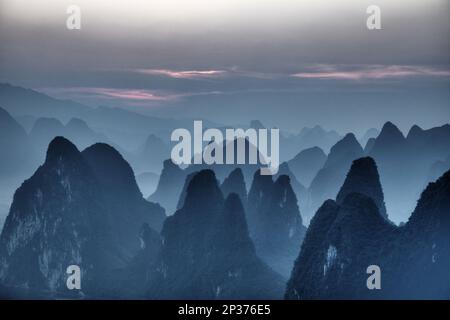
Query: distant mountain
x=184, y=190
x=126, y=128
x=169, y=187
x=306, y=164
x=147, y=182
x=317, y=137
x=27, y=122
x=150, y=156
x=125, y=203
x=344, y=240
x=275, y=222
x=300, y=191
x=404, y=163
x=390, y=144
x=45, y=130
x=256, y=124
x=20, y=101
x=235, y=183
x=207, y=252
x=363, y=178
x=329, y=179
x=420, y=139
x=306, y=139
x=223, y=171
x=14, y=146
x=369, y=145
x=172, y=178
x=77, y=208
x=371, y=133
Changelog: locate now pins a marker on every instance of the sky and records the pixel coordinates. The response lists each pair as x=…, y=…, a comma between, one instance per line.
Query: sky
x=289, y=63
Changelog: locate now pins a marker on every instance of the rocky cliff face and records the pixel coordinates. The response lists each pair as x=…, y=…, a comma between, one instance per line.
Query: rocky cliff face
x=363, y=178
x=235, y=183
x=344, y=239
x=207, y=252
x=275, y=221
x=330, y=178
x=66, y=214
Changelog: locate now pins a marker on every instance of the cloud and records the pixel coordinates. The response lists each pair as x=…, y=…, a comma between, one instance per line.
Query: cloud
x=362, y=72
x=207, y=74
x=185, y=74
x=130, y=95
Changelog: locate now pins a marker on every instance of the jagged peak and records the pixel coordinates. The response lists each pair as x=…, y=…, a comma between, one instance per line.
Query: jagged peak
x=436, y=194
x=203, y=188
x=106, y=150
x=414, y=131
x=111, y=167
x=256, y=124
x=365, y=165
x=203, y=179
x=236, y=174
x=349, y=141
x=61, y=147
x=235, y=180
x=389, y=129
x=77, y=123
x=369, y=145
x=283, y=180
x=363, y=178
x=260, y=180
x=345, y=147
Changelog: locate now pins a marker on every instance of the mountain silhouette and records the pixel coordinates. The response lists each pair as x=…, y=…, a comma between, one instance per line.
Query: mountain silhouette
x=14, y=146
x=330, y=178
x=343, y=240
x=369, y=145
x=169, y=187
x=275, y=222
x=147, y=182
x=404, y=163
x=371, y=133
x=207, y=252
x=363, y=178
x=127, y=207
x=45, y=130
x=300, y=191
x=151, y=155
x=74, y=210
x=235, y=183
x=306, y=164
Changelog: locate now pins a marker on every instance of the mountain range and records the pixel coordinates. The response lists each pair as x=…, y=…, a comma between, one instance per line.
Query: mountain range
x=346, y=237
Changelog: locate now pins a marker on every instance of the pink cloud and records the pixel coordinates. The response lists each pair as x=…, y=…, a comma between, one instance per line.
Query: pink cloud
x=369, y=72
x=92, y=95
x=128, y=94
x=186, y=74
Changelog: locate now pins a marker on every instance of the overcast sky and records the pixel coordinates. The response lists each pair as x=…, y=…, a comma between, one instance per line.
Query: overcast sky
x=289, y=63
